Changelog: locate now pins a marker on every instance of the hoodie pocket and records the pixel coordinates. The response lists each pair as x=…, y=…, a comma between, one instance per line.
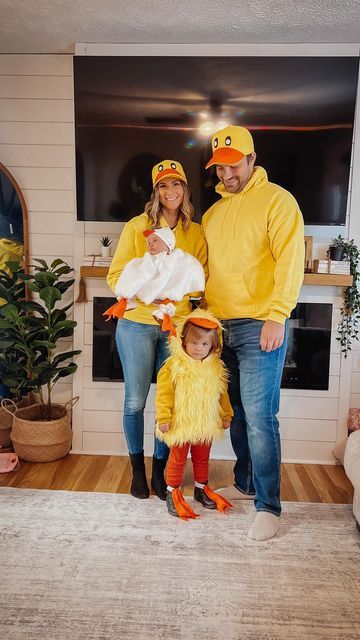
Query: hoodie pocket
x=229, y=292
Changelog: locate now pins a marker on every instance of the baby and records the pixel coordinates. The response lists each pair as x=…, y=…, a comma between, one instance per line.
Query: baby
x=163, y=274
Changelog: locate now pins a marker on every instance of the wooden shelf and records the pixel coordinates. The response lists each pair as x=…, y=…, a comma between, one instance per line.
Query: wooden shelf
x=320, y=279
x=93, y=272
x=328, y=279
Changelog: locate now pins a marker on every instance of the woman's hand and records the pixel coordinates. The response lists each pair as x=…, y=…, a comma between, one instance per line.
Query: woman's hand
x=226, y=424
x=164, y=427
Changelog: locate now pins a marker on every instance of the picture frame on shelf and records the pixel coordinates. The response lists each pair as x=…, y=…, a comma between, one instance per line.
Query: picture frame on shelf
x=308, y=253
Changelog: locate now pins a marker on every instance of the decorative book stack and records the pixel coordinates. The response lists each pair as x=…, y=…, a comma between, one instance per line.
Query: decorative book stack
x=97, y=261
x=332, y=266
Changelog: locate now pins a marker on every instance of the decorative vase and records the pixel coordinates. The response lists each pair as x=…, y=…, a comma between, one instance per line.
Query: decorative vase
x=105, y=251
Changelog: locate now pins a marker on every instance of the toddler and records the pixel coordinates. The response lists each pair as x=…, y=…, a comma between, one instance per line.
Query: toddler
x=192, y=408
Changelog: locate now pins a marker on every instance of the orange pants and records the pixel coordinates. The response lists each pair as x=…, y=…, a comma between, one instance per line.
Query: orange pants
x=200, y=459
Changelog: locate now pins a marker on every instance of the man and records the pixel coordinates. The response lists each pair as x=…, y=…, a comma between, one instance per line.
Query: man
x=255, y=237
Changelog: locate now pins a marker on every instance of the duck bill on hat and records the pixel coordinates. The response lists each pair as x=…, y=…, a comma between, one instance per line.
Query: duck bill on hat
x=173, y=173
x=225, y=155
x=205, y=323
x=148, y=232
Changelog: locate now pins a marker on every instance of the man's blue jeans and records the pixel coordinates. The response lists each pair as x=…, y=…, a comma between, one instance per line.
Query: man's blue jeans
x=142, y=348
x=254, y=390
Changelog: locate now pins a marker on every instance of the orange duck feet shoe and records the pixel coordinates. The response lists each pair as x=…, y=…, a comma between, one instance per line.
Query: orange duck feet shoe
x=178, y=507
x=200, y=496
x=170, y=505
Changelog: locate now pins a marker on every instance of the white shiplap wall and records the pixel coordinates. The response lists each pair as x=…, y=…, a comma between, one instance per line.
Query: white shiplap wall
x=37, y=145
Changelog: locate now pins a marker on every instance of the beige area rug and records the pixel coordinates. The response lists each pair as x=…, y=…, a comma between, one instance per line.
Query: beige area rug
x=104, y=566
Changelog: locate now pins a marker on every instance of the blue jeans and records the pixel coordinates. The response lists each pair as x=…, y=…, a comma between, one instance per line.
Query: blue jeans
x=142, y=348
x=254, y=390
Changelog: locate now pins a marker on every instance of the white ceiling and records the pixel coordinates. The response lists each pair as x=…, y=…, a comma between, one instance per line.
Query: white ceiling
x=53, y=26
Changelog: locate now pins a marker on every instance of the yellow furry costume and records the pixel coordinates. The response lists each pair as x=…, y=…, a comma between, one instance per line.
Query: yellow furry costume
x=192, y=394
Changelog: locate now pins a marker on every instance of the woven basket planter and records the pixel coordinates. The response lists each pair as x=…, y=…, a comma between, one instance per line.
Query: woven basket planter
x=7, y=415
x=39, y=440
x=6, y=420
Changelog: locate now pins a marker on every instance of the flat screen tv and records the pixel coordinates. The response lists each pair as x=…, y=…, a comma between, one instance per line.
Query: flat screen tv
x=131, y=112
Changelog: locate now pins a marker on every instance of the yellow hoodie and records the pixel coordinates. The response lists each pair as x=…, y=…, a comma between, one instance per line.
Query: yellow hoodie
x=192, y=394
x=132, y=244
x=255, y=251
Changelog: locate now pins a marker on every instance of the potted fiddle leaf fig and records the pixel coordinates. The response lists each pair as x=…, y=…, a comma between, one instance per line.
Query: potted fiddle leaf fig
x=34, y=328
x=12, y=291
x=17, y=390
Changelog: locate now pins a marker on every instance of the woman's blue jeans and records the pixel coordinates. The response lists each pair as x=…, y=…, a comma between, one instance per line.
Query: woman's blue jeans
x=254, y=390
x=142, y=349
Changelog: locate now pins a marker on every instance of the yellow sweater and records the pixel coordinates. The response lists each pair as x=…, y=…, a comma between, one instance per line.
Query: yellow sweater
x=255, y=251
x=132, y=244
x=192, y=394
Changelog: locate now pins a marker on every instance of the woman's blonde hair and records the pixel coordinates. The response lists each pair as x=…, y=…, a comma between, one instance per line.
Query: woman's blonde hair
x=153, y=207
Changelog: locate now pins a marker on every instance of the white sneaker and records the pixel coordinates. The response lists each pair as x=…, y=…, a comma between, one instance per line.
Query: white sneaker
x=233, y=493
x=265, y=526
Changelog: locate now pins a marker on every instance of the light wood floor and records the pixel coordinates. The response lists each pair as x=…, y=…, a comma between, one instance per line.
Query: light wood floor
x=112, y=474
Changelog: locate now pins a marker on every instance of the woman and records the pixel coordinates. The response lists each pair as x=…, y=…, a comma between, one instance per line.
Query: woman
x=141, y=344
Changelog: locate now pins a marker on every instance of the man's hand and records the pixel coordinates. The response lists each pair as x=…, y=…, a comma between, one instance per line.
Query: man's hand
x=272, y=335
x=164, y=427
x=226, y=424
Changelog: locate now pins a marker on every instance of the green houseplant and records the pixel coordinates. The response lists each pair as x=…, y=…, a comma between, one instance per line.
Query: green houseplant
x=12, y=291
x=348, y=327
x=31, y=331
x=336, y=250
x=29, y=354
x=105, y=242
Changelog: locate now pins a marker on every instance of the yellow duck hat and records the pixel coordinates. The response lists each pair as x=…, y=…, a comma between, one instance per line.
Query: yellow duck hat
x=201, y=318
x=230, y=145
x=167, y=169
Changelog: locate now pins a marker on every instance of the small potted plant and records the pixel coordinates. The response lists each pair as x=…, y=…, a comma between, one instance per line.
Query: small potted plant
x=105, y=242
x=336, y=250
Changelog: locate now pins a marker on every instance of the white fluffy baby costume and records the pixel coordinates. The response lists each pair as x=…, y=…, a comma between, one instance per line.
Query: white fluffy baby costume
x=167, y=276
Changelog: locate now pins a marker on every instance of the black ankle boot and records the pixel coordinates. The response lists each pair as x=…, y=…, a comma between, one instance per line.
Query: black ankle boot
x=139, y=487
x=170, y=504
x=200, y=496
x=157, y=477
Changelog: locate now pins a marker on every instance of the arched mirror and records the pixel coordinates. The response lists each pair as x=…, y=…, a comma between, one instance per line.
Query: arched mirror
x=14, y=237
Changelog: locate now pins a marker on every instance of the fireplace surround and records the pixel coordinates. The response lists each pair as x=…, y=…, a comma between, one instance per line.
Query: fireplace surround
x=307, y=358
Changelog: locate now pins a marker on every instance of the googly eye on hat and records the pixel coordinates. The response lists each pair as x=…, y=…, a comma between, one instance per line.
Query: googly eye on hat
x=168, y=169
x=230, y=145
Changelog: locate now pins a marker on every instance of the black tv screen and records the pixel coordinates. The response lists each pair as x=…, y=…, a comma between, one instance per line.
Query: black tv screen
x=131, y=112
